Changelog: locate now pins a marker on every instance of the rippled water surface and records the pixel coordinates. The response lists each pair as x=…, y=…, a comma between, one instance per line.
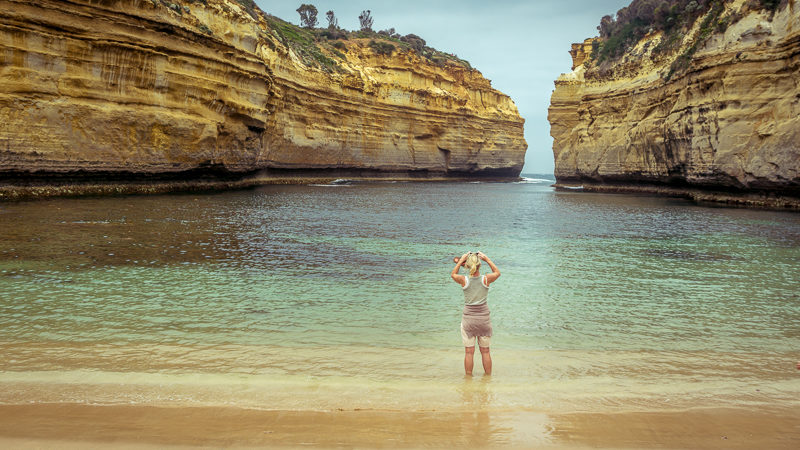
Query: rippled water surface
x=319, y=297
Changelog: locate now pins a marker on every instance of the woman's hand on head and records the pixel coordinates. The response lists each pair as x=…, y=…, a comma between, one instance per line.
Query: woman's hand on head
x=482, y=256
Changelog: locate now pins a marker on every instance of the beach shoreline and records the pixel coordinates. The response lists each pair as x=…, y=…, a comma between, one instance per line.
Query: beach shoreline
x=137, y=426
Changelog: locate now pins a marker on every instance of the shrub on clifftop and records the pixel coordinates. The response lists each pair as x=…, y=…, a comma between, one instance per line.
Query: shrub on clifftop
x=381, y=47
x=770, y=5
x=249, y=6
x=414, y=41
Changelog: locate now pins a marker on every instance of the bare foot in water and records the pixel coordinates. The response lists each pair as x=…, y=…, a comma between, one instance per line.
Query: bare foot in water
x=798, y=365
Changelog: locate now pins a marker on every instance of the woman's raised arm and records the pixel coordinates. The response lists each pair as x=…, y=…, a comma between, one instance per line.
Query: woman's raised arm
x=490, y=277
x=454, y=274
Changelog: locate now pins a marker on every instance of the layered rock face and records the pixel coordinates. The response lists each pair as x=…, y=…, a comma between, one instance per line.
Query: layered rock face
x=149, y=87
x=729, y=122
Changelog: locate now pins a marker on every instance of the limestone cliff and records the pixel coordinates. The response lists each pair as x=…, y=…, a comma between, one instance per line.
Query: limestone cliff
x=118, y=87
x=719, y=112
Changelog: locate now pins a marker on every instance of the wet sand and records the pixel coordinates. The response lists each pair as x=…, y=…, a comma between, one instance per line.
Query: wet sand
x=83, y=426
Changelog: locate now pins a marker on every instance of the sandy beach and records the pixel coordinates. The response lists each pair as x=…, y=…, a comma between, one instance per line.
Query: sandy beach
x=83, y=426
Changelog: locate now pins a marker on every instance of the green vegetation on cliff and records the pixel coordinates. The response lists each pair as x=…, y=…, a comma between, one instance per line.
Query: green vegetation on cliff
x=673, y=18
x=325, y=47
x=642, y=17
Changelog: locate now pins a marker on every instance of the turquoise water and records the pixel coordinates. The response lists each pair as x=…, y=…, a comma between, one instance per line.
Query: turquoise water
x=339, y=296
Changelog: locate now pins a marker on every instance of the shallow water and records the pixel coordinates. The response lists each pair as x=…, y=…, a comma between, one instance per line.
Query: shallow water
x=326, y=297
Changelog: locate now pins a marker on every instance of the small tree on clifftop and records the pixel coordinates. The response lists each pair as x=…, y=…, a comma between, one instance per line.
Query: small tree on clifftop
x=308, y=15
x=333, y=22
x=365, y=19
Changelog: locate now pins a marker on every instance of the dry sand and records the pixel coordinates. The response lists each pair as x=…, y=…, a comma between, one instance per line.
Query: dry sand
x=71, y=426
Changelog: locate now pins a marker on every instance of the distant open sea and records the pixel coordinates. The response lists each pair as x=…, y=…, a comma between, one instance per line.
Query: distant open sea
x=327, y=297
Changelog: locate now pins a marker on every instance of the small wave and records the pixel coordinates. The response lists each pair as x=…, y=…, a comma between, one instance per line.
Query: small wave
x=337, y=182
x=526, y=180
x=87, y=222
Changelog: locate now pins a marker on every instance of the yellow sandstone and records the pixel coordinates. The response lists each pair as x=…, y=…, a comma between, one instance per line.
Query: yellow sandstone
x=728, y=123
x=155, y=87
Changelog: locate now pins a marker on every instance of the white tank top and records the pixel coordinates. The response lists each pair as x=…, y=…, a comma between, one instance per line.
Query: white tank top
x=475, y=290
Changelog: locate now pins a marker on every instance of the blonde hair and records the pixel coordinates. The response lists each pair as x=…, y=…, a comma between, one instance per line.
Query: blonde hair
x=472, y=263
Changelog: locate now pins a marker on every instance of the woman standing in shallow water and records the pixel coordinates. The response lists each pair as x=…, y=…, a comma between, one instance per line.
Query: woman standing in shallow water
x=475, y=321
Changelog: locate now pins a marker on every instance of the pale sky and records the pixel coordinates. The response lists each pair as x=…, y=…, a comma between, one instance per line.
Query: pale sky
x=521, y=46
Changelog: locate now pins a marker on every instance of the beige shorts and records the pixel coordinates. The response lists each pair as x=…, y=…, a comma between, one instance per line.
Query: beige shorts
x=483, y=341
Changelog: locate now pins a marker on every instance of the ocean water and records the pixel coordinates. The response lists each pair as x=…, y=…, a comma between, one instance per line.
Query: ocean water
x=338, y=296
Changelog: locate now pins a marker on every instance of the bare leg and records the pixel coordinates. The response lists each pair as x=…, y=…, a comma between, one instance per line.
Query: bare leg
x=486, y=359
x=469, y=359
